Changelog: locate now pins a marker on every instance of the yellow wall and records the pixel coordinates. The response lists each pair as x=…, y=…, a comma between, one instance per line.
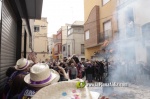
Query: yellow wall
x=41, y=40
x=88, y=6
x=43, y=30
x=107, y=12
x=40, y=44
x=90, y=51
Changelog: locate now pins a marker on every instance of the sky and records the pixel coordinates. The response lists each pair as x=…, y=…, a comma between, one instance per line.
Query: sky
x=60, y=12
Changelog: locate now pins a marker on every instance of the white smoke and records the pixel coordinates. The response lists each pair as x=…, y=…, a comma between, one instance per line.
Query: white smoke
x=132, y=52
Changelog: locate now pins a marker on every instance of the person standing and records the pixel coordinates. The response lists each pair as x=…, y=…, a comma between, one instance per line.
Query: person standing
x=89, y=72
x=73, y=71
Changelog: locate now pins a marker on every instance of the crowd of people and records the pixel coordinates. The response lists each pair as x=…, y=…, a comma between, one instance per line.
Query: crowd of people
x=29, y=76
x=91, y=70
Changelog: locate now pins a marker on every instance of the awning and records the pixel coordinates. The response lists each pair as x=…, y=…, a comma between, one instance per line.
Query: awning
x=31, y=9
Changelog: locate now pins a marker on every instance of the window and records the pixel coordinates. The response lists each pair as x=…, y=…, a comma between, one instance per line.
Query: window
x=130, y=29
x=36, y=28
x=87, y=35
x=107, y=29
x=69, y=30
x=145, y=31
x=82, y=48
x=68, y=49
x=105, y=1
x=63, y=48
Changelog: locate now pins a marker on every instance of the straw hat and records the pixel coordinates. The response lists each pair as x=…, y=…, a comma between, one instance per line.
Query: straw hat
x=40, y=75
x=63, y=90
x=22, y=64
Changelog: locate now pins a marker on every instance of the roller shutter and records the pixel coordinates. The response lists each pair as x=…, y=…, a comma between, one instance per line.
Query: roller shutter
x=8, y=40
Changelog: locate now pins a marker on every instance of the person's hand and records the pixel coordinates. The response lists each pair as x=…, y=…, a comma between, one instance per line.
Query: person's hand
x=63, y=71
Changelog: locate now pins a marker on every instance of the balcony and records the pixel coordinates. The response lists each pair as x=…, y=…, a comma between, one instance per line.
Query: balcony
x=127, y=34
x=106, y=35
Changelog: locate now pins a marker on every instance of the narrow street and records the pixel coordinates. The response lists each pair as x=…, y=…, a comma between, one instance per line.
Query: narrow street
x=101, y=44
x=131, y=92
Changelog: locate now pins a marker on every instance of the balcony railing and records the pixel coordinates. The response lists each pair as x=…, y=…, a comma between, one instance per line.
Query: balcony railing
x=106, y=35
x=129, y=33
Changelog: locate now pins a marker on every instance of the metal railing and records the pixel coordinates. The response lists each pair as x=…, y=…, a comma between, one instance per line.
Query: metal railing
x=106, y=35
x=127, y=33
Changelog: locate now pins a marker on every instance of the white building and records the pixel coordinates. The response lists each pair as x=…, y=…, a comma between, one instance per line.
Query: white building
x=51, y=45
x=64, y=41
x=134, y=29
x=75, y=40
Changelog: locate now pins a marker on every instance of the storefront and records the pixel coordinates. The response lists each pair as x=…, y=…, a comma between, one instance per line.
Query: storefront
x=13, y=13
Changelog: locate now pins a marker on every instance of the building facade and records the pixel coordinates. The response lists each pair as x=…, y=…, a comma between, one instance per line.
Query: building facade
x=41, y=40
x=134, y=27
x=58, y=45
x=75, y=40
x=27, y=40
x=51, y=46
x=15, y=18
x=64, y=41
x=100, y=25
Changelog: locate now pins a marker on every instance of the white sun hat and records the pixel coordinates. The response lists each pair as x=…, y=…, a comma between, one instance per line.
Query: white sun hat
x=63, y=90
x=40, y=75
x=22, y=64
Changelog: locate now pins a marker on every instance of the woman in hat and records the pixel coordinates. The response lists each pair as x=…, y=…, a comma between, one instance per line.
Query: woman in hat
x=40, y=76
x=16, y=83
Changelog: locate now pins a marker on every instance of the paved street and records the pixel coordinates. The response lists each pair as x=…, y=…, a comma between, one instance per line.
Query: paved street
x=130, y=92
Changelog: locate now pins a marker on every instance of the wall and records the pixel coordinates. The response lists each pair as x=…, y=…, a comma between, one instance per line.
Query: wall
x=71, y=42
x=92, y=25
x=41, y=40
x=29, y=44
x=64, y=34
x=140, y=18
x=88, y=6
x=95, y=14
x=90, y=51
x=108, y=12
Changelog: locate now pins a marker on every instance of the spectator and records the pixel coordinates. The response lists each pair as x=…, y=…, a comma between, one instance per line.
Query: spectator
x=73, y=71
x=40, y=76
x=16, y=81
